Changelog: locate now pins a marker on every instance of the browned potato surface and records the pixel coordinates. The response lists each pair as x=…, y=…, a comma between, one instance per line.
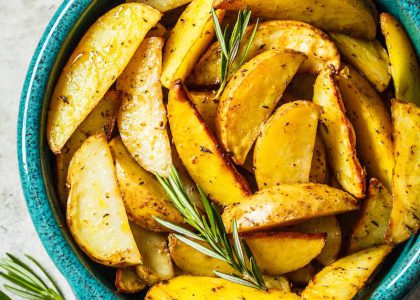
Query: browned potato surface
x=200, y=152
x=287, y=204
x=100, y=57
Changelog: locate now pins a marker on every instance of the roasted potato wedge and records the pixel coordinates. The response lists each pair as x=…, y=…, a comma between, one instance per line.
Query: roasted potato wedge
x=205, y=160
x=338, y=135
x=405, y=215
x=371, y=122
x=302, y=275
x=95, y=64
x=102, y=119
x=95, y=211
x=405, y=69
x=344, y=278
x=163, y=5
x=277, y=282
x=280, y=35
x=330, y=226
x=127, y=281
x=249, y=99
x=350, y=16
x=142, y=117
x=157, y=264
x=368, y=56
x=276, y=253
x=285, y=145
x=189, y=287
x=287, y=204
x=143, y=196
x=319, y=170
x=207, y=107
x=372, y=224
x=190, y=37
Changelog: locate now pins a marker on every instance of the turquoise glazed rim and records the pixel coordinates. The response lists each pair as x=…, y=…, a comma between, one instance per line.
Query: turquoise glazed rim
x=87, y=279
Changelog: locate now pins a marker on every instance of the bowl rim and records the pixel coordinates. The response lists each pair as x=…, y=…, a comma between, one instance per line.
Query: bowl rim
x=398, y=283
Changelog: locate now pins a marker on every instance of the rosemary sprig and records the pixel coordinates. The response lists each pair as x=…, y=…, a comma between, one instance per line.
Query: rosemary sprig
x=212, y=231
x=230, y=43
x=27, y=284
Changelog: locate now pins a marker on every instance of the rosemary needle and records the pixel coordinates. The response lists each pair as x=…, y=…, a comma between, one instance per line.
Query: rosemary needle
x=211, y=230
x=26, y=283
x=230, y=44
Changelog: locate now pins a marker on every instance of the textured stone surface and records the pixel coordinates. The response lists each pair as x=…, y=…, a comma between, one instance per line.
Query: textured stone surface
x=22, y=23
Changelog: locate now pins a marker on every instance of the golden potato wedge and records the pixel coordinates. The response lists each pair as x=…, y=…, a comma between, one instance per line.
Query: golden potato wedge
x=350, y=16
x=371, y=122
x=372, y=224
x=280, y=35
x=368, y=56
x=142, y=118
x=127, y=281
x=344, y=278
x=285, y=145
x=162, y=5
x=101, y=119
x=206, y=105
x=95, y=211
x=95, y=64
x=287, y=204
x=157, y=264
x=190, y=37
x=277, y=282
x=143, y=196
x=205, y=160
x=338, y=135
x=275, y=252
x=190, y=287
x=302, y=275
x=330, y=226
x=249, y=99
x=319, y=170
x=405, y=216
x=405, y=69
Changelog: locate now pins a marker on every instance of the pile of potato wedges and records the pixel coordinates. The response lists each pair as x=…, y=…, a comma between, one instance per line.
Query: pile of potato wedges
x=313, y=147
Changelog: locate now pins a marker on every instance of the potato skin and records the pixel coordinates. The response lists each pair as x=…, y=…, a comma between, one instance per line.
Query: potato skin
x=203, y=157
x=95, y=211
x=319, y=168
x=163, y=5
x=368, y=56
x=404, y=220
x=249, y=99
x=275, y=35
x=338, y=135
x=405, y=68
x=95, y=64
x=142, y=121
x=371, y=123
x=189, y=287
x=143, y=196
x=190, y=37
x=354, y=17
x=287, y=204
x=345, y=277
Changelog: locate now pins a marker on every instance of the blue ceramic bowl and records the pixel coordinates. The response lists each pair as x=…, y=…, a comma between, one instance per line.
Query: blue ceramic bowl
x=88, y=280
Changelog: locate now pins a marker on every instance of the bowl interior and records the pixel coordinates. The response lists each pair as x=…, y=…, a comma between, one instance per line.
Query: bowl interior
x=89, y=12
